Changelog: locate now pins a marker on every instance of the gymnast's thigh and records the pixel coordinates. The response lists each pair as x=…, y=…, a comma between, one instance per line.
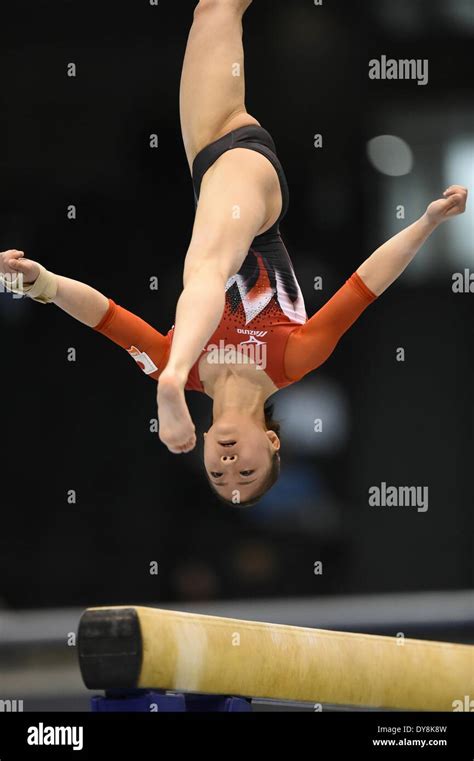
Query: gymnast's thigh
x=239, y=198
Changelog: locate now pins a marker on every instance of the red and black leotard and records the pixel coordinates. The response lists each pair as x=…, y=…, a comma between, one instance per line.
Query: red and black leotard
x=264, y=306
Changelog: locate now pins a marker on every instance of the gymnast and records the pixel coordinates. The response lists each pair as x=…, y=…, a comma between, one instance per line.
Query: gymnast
x=241, y=300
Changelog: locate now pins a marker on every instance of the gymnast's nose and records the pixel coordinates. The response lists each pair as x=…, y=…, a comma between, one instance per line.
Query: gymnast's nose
x=228, y=459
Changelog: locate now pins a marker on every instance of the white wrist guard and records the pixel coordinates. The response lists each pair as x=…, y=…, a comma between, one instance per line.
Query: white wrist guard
x=43, y=290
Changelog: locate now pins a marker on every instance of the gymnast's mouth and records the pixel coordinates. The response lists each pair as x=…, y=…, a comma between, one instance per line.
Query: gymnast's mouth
x=227, y=443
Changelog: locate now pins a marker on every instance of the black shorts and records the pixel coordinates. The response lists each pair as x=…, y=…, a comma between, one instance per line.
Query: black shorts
x=254, y=138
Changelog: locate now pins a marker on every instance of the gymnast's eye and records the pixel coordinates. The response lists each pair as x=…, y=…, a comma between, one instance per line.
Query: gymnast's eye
x=215, y=475
x=246, y=472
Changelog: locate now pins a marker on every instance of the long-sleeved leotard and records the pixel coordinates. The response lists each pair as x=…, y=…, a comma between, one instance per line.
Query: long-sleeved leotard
x=286, y=346
x=264, y=319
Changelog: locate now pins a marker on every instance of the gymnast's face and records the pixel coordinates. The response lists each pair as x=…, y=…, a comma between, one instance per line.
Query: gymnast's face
x=238, y=456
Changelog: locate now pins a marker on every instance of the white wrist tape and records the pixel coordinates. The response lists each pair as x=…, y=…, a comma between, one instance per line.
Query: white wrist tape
x=43, y=290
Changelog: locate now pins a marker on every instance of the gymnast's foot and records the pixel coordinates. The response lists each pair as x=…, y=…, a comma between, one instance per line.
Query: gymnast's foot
x=177, y=429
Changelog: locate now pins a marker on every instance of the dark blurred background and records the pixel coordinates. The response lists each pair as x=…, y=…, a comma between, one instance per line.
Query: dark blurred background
x=84, y=426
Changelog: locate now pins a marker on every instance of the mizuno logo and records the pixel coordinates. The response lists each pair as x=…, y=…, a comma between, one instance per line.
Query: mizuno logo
x=258, y=333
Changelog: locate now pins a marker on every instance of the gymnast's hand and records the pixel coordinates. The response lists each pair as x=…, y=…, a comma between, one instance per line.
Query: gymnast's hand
x=13, y=262
x=452, y=204
x=177, y=429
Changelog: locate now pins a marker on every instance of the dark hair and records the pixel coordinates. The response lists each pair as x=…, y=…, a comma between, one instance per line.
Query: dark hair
x=273, y=474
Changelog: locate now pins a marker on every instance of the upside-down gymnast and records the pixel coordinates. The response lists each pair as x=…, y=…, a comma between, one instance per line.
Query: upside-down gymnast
x=240, y=291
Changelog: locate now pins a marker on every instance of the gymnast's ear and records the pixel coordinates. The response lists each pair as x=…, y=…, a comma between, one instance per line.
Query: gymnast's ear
x=274, y=440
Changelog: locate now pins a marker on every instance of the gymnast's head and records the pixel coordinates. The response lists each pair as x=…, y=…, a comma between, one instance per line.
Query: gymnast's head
x=242, y=456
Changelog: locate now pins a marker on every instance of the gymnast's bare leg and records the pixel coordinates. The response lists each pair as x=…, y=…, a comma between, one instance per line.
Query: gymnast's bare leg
x=212, y=103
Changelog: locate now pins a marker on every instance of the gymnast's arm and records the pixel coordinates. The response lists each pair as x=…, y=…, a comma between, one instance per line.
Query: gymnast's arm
x=312, y=343
x=150, y=348
x=380, y=270
x=77, y=299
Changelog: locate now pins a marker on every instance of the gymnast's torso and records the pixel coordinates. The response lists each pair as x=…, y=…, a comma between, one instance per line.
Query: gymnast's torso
x=260, y=327
x=263, y=303
x=263, y=306
x=264, y=326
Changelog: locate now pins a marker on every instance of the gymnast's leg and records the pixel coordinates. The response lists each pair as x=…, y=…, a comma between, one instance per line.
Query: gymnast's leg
x=212, y=89
x=212, y=104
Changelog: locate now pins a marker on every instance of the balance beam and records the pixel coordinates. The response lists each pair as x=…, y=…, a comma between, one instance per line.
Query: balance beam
x=138, y=647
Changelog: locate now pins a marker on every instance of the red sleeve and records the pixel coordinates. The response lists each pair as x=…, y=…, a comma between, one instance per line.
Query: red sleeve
x=148, y=347
x=311, y=344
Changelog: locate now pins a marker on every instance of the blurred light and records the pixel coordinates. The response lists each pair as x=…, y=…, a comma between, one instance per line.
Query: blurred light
x=460, y=13
x=458, y=169
x=390, y=155
x=313, y=400
x=402, y=17
x=410, y=16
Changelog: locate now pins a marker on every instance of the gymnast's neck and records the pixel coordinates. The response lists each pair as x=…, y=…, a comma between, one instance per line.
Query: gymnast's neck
x=240, y=393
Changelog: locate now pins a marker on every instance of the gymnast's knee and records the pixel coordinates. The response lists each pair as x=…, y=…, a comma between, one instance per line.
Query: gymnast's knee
x=240, y=6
